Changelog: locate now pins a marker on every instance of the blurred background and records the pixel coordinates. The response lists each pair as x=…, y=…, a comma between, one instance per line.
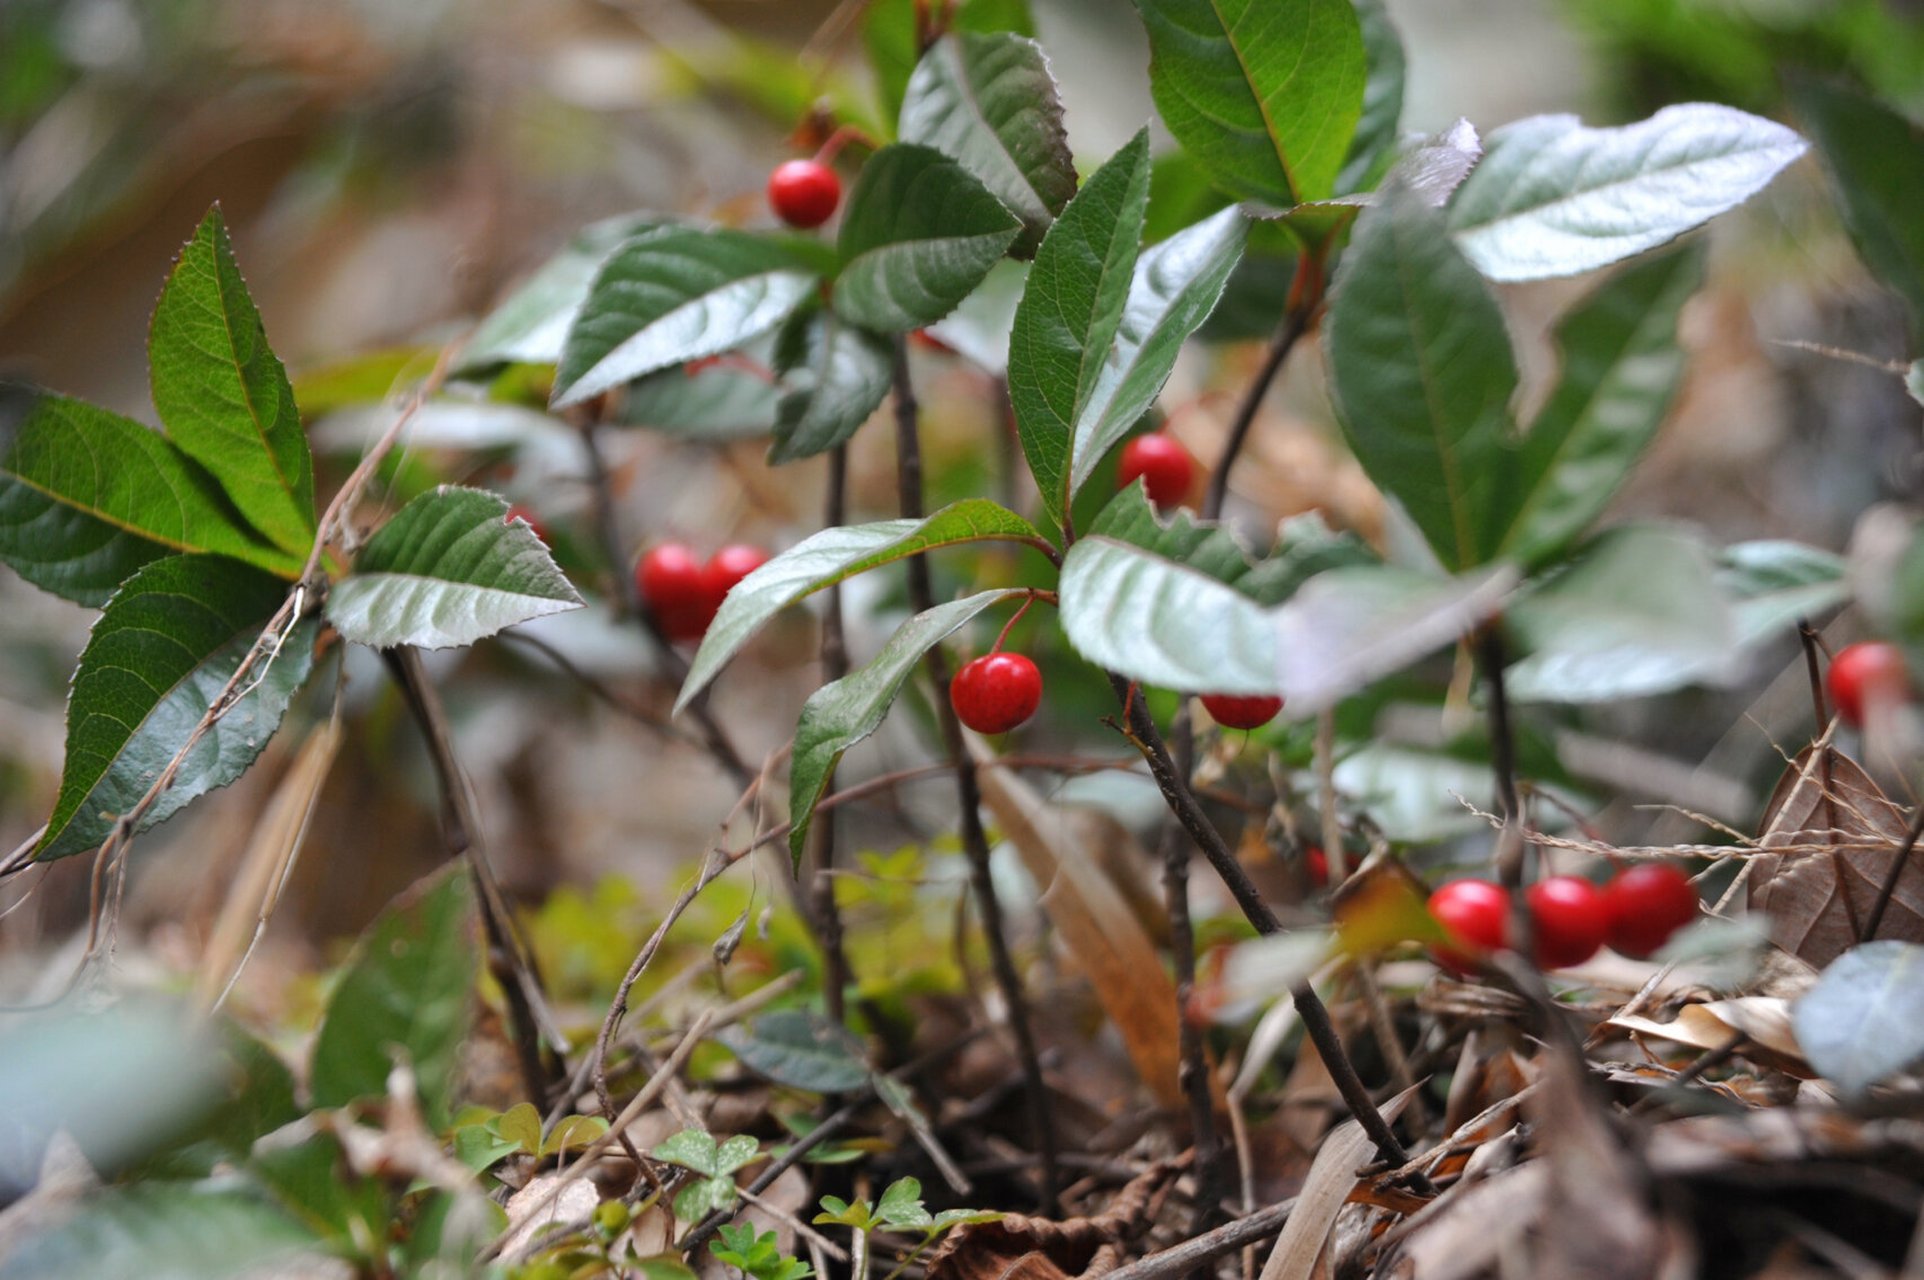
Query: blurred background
x=390, y=170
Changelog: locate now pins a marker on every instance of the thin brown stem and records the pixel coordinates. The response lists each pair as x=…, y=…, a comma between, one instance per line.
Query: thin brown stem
x=1490, y=658
x=1296, y=322
x=975, y=841
x=1187, y=1257
x=834, y=655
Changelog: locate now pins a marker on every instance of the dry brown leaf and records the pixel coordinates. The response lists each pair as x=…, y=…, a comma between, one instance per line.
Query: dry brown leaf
x=1019, y=1247
x=1763, y=1020
x=1817, y=902
x=1597, y=1210
x=549, y=1200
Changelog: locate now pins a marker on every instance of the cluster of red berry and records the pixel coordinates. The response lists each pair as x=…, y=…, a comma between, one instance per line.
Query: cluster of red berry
x=1570, y=918
x=684, y=594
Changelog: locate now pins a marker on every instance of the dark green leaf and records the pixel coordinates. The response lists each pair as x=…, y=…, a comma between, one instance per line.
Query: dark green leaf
x=530, y=326
x=447, y=570
x=1373, y=147
x=1347, y=628
x=1552, y=198
x=1207, y=548
x=163, y=649
x=1637, y=614
x=1621, y=370
x=889, y=33
x=161, y=1231
x=1864, y=1020
x=990, y=102
x=830, y=557
x=1422, y=372
x=800, y=1049
x=735, y=397
x=406, y=996
x=87, y=497
x=1875, y=155
x=1176, y=285
x=1305, y=547
x=223, y=394
x=1770, y=585
x=312, y=1182
x=919, y=234
x=1266, y=94
x=672, y=295
x=841, y=714
x=834, y=376
x=1070, y=312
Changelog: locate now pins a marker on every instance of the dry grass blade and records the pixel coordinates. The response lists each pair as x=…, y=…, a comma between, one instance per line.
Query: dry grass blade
x=1332, y=1176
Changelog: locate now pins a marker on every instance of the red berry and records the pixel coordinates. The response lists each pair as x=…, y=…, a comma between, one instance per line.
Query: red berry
x=1647, y=904
x=1316, y=866
x=1476, y=915
x=1863, y=674
x=1568, y=919
x=675, y=588
x=996, y=692
x=519, y=512
x=1232, y=712
x=1164, y=467
x=728, y=566
x=804, y=193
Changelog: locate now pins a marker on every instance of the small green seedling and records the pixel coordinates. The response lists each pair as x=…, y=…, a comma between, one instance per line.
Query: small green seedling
x=715, y=1187
x=757, y=1256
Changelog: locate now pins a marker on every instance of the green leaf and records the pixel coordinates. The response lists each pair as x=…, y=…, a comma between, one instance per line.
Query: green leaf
x=161, y=652
x=841, y=714
x=1071, y=309
x=161, y=1231
x=1621, y=371
x=406, y=994
x=736, y=1152
x=859, y=1216
x=1266, y=93
x=1422, y=372
x=447, y=570
x=1770, y=585
x=734, y=398
x=1638, y=613
x=978, y=328
x=672, y=295
x=1205, y=547
x=901, y=1205
x=87, y=497
x=1874, y=154
x=479, y=1149
x=530, y=326
x=1177, y=284
x=310, y=1180
x=888, y=32
x=1373, y=147
x=704, y=1196
x=573, y=1131
x=990, y=102
x=1347, y=628
x=223, y=395
x=832, y=556
x=919, y=234
x=691, y=1149
x=800, y=1049
x=521, y=1125
x=1864, y=1020
x=834, y=376
x=1552, y=198
x=951, y=1218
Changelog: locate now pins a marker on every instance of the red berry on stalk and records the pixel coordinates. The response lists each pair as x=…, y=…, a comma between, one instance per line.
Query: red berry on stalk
x=1165, y=468
x=1232, y=712
x=728, y=566
x=1568, y=920
x=1476, y=915
x=1316, y=866
x=996, y=692
x=1861, y=674
x=1647, y=904
x=675, y=588
x=804, y=193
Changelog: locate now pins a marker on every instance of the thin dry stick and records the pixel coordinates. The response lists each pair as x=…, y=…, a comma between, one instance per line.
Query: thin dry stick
x=975, y=841
x=1885, y=890
x=1206, y=1248
x=1510, y=843
x=1296, y=322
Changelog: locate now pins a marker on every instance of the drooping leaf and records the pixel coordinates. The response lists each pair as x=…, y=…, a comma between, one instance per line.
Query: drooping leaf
x=1874, y=154
x=842, y=713
x=87, y=497
x=672, y=295
x=447, y=570
x=1071, y=310
x=1422, y=372
x=830, y=557
x=1176, y=285
x=1373, y=147
x=531, y=324
x=990, y=102
x=1552, y=198
x=889, y=34
x=1864, y=1020
x=406, y=995
x=834, y=376
x=1770, y=585
x=1348, y=627
x=164, y=648
x=1621, y=371
x=800, y=1049
x=1637, y=614
x=162, y=1231
x=223, y=395
x=920, y=232
x=1266, y=94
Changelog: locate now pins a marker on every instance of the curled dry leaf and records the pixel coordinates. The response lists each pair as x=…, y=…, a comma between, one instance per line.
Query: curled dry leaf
x=1018, y=1247
x=1764, y=1022
x=1818, y=901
